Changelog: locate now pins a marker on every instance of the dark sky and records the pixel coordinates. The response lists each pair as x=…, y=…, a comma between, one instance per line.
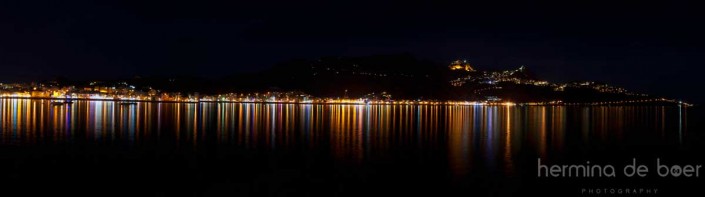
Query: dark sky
x=655, y=48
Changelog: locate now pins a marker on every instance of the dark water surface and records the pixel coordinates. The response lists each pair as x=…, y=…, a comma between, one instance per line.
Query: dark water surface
x=193, y=149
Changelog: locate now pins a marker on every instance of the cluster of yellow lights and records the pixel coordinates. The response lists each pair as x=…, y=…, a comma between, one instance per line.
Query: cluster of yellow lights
x=16, y=95
x=480, y=103
x=461, y=65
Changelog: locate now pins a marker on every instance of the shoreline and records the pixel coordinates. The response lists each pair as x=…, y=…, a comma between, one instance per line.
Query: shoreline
x=642, y=102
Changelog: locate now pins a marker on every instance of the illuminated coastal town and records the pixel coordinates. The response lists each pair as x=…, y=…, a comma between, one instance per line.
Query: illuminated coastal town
x=351, y=98
x=463, y=75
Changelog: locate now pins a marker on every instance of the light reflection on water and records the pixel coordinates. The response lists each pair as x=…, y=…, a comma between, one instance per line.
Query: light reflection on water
x=469, y=135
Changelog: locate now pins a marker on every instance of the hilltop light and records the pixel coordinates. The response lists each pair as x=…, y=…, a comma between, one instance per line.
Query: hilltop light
x=461, y=65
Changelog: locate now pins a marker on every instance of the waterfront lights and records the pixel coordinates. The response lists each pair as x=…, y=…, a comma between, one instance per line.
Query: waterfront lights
x=508, y=104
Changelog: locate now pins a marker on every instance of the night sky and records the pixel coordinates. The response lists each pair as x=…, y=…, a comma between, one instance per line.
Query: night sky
x=647, y=47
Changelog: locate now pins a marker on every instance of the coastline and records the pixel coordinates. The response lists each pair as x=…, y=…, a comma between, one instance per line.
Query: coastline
x=640, y=102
